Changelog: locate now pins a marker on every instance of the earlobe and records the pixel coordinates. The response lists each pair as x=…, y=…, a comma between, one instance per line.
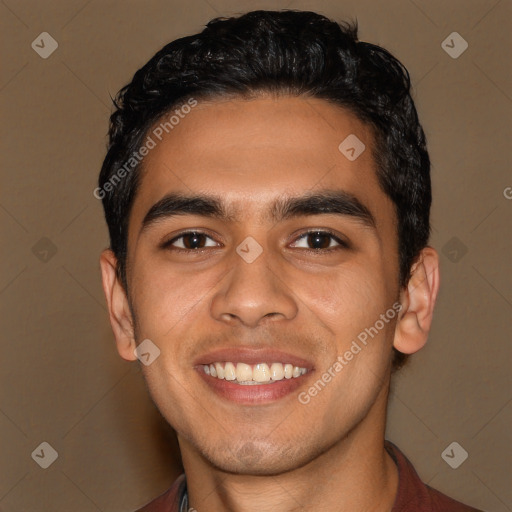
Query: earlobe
x=418, y=300
x=118, y=307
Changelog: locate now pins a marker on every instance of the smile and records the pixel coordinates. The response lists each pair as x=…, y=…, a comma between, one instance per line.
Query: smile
x=246, y=374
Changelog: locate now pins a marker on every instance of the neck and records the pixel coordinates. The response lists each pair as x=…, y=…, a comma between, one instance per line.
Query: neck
x=356, y=473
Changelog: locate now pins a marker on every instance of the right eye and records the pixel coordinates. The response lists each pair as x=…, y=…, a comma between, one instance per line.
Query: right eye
x=189, y=241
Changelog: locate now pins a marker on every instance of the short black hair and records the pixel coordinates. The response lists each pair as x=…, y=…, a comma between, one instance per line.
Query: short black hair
x=288, y=52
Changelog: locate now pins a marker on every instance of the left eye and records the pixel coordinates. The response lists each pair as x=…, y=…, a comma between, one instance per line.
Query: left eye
x=320, y=240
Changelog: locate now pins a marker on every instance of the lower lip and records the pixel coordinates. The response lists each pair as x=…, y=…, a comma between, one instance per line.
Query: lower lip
x=253, y=393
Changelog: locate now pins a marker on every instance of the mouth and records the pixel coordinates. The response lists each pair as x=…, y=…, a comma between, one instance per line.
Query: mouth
x=250, y=375
x=253, y=376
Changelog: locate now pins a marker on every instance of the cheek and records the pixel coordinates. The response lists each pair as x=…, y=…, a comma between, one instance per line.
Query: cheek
x=165, y=297
x=346, y=300
x=349, y=303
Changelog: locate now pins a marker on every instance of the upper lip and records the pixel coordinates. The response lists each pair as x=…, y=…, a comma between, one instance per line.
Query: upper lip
x=252, y=356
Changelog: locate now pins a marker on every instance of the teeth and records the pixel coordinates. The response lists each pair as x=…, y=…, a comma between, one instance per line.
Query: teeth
x=243, y=372
x=247, y=374
x=229, y=371
x=252, y=382
x=277, y=371
x=220, y=370
x=261, y=373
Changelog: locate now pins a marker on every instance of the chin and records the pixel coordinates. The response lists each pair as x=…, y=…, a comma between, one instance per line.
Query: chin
x=253, y=458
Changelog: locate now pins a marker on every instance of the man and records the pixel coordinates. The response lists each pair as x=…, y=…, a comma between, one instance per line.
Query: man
x=267, y=193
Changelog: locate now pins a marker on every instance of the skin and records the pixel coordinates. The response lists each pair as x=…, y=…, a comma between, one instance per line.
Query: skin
x=269, y=457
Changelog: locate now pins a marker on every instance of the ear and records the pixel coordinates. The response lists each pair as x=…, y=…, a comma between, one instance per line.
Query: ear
x=118, y=307
x=418, y=300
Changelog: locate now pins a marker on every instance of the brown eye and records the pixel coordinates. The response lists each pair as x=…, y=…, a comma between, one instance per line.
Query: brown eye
x=191, y=240
x=320, y=240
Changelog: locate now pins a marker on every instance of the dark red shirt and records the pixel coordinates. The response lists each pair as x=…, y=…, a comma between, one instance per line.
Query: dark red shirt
x=412, y=496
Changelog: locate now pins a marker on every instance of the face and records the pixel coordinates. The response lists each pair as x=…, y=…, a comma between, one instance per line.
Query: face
x=252, y=287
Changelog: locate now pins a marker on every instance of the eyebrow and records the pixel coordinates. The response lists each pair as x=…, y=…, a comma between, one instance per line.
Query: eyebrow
x=322, y=202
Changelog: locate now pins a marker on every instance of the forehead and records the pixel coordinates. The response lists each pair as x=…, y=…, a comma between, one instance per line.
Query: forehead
x=250, y=151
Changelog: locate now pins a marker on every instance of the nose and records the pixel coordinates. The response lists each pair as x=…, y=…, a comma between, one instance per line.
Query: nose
x=253, y=293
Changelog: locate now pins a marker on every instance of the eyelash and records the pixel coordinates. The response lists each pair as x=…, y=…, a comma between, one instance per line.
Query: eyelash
x=342, y=243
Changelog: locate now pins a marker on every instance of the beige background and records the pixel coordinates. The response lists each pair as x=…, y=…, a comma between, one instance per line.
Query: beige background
x=62, y=380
